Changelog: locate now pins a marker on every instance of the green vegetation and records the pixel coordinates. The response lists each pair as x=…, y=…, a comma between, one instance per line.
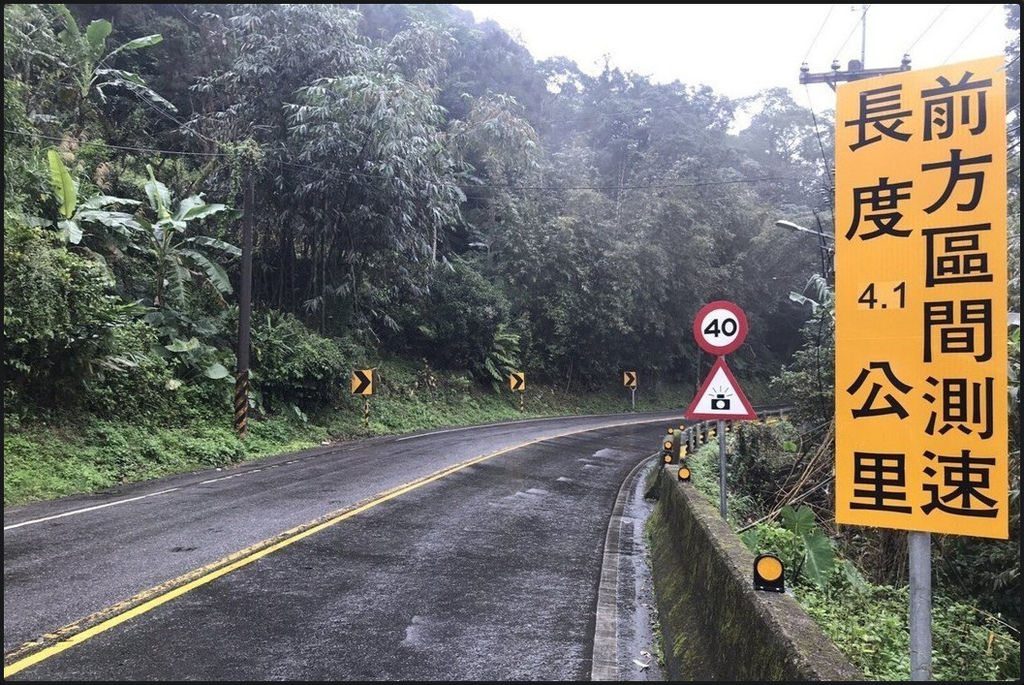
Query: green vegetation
x=67, y=453
x=430, y=201
x=395, y=155
x=975, y=634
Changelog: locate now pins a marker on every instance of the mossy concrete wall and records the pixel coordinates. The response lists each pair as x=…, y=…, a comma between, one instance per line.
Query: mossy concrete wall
x=714, y=624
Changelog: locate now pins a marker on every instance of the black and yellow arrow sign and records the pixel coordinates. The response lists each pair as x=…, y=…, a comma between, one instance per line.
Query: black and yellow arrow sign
x=629, y=379
x=362, y=382
x=517, y=380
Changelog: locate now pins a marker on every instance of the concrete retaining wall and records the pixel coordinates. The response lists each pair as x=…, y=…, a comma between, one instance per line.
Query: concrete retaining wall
x=714, y=624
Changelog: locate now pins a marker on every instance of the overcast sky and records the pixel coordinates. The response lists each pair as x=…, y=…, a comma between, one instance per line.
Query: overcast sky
x=741, y=49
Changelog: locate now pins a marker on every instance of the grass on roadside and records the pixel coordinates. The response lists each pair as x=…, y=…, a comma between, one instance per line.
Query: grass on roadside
x=60, y=455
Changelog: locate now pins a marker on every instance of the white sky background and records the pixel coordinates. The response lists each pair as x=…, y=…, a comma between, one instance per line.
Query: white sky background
x=741, y=49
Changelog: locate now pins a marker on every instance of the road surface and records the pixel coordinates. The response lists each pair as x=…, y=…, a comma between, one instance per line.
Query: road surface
x=459, y=554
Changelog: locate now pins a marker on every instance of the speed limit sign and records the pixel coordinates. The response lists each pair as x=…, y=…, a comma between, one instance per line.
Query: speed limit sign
x=720, y=327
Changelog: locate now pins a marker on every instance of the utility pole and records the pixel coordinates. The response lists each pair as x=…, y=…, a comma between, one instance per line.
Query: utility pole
x=244, y=315
x=856, y=70
x=864, y=36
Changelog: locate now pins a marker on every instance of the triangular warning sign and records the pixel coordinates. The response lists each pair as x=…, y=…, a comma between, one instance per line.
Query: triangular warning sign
x=720, y=397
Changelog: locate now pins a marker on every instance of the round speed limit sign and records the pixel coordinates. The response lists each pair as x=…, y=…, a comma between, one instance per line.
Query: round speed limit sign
x=720, y=327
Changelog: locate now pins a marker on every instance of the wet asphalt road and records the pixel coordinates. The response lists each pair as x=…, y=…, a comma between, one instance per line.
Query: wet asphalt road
x=487, y=573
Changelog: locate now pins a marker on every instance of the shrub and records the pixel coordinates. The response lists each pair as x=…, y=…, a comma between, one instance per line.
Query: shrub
x=59, y=319
x=462, y=322
x=292, y=363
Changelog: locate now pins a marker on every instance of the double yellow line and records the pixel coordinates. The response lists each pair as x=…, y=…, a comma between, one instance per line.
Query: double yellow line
x=102, y=621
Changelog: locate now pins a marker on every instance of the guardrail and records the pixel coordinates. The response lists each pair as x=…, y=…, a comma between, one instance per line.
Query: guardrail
x=688, y=438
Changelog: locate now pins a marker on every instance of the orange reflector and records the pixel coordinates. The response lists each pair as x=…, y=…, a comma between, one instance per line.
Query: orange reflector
x=684, y=473
x=668, y=444
x=768, y=573
x=669, y=431
x=668, y=458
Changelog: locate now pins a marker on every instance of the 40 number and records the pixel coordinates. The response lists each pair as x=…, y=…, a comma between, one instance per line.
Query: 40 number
x=726, y=327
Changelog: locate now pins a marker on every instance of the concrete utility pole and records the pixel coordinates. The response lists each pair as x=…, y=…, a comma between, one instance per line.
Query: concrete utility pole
x=244, y=309
x=856, y=70
x=864, y=36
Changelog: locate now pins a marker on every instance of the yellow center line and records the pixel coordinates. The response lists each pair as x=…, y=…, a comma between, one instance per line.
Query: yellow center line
x=262, y=551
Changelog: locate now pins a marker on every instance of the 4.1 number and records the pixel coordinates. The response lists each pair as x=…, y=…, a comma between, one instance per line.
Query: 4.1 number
x=868, y=296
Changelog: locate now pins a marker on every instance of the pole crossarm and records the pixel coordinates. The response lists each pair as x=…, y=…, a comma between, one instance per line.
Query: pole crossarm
x=855, y=72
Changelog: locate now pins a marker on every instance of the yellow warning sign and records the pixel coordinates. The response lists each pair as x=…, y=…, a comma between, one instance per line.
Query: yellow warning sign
x=517, y=381
x=362, y=382
x=921, y=309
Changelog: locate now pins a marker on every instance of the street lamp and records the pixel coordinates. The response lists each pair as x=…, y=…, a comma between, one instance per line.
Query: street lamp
x=782, y=223
x=823, y=249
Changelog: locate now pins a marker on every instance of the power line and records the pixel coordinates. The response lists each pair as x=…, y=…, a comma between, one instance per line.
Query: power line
x=653, y=186
x=969, y=33
x=926, y=30
x=120, y=147
x=815, y=40
x=696, y=184
x=821, y=147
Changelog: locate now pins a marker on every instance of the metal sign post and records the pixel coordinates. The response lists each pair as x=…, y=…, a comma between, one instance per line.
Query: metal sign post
x=629, y=380
x=362, y=384
x=720, y=328
x=721, y=466
x=920, y=547
x=517, y=383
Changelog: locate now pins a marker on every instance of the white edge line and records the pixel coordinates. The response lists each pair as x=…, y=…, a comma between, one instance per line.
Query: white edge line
x=82, y=511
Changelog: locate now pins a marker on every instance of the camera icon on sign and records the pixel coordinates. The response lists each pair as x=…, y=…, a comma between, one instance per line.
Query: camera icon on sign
x=720, y=402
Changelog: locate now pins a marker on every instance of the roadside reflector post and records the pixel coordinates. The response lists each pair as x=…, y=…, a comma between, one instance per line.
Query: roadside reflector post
x=670, y=446
x=366, y=411
x=769, y=574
